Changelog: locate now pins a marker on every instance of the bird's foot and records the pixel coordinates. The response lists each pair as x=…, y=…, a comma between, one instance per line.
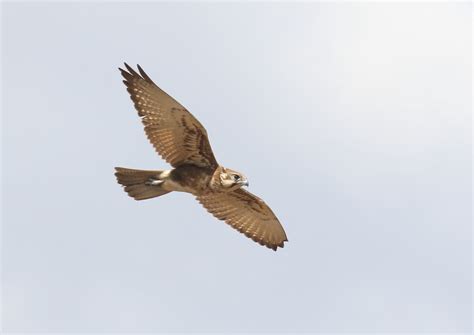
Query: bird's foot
x=153, y=182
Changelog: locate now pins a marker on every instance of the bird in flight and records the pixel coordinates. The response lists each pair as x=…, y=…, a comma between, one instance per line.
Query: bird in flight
x=180, y=139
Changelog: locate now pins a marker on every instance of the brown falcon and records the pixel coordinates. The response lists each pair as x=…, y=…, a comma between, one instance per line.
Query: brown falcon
x=182, y=141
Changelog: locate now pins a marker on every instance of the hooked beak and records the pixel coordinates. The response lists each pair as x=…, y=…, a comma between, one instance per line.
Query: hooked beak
x=245, y=183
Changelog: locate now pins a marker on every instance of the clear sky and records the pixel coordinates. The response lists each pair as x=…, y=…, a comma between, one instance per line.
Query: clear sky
x=351, y=120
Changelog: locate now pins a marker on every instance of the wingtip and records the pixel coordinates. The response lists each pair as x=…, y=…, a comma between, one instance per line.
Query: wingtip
x=143, y=74
x=141, y=71
x=125, y=75
x=129, y=73
x=128, y=67
x=282, y=244
x=275, y=247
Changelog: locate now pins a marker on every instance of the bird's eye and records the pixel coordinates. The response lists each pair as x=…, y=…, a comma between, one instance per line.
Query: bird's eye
x=236, y=177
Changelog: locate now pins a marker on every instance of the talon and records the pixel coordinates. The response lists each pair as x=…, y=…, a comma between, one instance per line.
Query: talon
x=153, y=182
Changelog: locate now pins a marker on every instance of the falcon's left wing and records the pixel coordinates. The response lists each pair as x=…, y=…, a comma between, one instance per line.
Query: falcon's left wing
x=248, y=214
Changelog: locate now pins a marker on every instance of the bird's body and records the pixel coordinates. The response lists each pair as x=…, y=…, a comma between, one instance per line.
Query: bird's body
x=188, y=178
x=182, y=141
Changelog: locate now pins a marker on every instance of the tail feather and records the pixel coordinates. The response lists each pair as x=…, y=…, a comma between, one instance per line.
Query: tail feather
x=137, y=183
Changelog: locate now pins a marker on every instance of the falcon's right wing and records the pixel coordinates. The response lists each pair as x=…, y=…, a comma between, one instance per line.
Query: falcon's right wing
x=174, y=132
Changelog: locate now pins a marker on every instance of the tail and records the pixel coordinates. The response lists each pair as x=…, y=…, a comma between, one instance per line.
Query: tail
x=140, y=184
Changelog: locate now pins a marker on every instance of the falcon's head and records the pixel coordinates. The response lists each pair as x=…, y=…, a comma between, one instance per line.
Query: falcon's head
x=232, y=180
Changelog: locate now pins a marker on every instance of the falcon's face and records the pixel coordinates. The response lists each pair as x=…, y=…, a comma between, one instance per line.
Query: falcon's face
x=232, y=180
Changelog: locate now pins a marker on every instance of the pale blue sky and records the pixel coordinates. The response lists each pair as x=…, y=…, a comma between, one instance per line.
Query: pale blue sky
x=352, y=121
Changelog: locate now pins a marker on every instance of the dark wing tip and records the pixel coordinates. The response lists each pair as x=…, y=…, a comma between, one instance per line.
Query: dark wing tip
x=276, y=246
x=130, y=69
x=126, y=75
x=144, y=75
x=130, y=73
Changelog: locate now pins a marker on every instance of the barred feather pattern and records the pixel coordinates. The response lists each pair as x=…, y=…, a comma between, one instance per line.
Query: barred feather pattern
x=174, y=132
x=248, y=214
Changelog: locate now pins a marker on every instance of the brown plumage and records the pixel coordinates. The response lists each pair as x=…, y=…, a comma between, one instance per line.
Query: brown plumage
x=182, y=141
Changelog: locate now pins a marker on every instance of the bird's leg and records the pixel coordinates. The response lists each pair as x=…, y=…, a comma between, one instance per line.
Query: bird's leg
x=153, y=182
